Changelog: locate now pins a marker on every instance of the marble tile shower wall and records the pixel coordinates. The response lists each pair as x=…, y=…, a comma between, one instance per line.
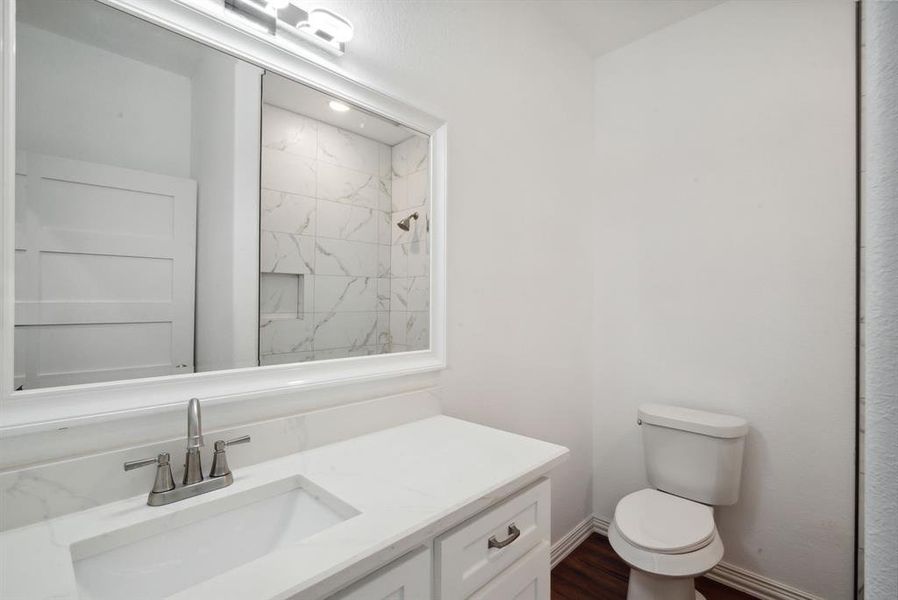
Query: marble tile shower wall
x=330, y=254
x=410, y=256
x=325, y=241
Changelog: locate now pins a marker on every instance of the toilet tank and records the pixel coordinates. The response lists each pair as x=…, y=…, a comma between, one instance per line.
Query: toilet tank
x=693, y=453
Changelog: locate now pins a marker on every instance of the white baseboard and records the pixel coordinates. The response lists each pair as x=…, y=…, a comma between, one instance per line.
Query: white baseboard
x=758, y=586
x=571, y=540
x=735, y=577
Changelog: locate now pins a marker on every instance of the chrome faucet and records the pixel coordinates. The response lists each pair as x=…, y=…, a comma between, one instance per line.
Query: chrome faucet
x=164, y=490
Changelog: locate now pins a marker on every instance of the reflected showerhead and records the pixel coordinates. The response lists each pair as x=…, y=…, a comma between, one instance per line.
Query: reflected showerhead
x=405, y=223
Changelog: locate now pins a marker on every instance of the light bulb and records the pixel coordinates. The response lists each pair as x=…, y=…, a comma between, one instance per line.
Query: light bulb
x=338, y=106
x=332, y=24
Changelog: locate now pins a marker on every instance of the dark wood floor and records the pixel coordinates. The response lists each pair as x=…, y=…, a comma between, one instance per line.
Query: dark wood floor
x=594, y=572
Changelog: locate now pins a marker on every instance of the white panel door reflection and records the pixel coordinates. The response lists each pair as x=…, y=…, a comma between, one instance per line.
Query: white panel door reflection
x=105, y=271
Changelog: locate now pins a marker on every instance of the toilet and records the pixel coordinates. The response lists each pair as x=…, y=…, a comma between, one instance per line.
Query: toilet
x=666, y=533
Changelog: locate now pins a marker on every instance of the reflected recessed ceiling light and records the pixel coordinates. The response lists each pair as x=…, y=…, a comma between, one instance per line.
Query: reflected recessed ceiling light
x=332, y=24
x=338, y=106
x=278, y=4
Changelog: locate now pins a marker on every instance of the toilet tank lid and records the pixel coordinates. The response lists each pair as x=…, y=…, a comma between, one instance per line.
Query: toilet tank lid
x=696, y=421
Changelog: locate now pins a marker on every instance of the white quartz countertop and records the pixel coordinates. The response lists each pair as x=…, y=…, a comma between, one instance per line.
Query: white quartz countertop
x=407, y=483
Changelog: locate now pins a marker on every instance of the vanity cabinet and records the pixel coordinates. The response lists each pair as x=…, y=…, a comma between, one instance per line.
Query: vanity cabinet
x=406, y=578
x=503, y=553
x=470, y=556
x=526, y=579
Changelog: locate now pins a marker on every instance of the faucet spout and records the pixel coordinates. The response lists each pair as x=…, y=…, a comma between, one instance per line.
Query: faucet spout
x=194, y=424
x=193, y=461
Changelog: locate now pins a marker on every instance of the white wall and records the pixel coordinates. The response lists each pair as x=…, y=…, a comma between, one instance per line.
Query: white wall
x=880, y=164
x=725, y=267
x=510, y=86
x=77, y=101
x=227, y=100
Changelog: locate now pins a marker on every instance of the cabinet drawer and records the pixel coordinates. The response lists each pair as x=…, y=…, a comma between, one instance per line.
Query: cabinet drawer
x=464, y=559
x=405, y=578
x=527, y=579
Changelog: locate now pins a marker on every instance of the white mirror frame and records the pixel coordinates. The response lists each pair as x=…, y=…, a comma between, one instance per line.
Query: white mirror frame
x=207, y=22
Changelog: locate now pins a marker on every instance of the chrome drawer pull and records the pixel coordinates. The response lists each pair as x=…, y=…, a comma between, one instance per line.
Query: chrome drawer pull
x=513, y=534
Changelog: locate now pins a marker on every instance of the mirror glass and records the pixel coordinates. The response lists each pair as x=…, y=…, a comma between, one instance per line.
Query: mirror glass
x=179, y=210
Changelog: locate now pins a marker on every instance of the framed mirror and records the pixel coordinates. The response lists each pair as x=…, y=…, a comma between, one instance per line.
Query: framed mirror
x=188, y=211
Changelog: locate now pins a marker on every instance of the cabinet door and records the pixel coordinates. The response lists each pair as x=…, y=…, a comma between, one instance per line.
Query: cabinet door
x=527, y=579
x=475, y=552
x=407, y=578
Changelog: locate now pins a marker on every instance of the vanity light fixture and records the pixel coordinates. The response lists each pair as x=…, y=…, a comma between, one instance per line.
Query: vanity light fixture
x=283, y=19
x=324, y=28
x=338, y=106
x=254, y=14
x=331, y=24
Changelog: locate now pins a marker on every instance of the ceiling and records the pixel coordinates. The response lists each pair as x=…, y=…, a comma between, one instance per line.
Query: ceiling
x=603, y=25
x=296, y=97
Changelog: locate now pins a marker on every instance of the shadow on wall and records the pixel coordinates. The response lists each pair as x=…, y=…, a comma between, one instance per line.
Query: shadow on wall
x=744, y=514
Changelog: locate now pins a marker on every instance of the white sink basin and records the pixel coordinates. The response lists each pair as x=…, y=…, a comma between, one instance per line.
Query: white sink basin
x=162, y=556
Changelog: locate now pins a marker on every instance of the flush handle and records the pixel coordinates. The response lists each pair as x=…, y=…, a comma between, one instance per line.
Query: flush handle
x=513, y=534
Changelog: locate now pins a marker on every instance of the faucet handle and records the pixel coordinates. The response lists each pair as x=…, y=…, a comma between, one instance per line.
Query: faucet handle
x=220, y=445
x=162, y=459
x=220, y=466
x=164, y=480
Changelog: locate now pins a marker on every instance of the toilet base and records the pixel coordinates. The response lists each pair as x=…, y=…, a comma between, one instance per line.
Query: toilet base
x=647, y=586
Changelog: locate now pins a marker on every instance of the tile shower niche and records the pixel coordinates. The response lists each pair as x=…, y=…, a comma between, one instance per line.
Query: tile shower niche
x=282, y=296
x=338, y=276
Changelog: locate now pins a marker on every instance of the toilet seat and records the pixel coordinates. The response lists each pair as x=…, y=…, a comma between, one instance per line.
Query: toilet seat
x=662, y=523
x=691, y=564
x=665, y=535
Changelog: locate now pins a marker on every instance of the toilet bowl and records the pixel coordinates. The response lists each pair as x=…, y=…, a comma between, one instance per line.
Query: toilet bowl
x=667, y=533
x=667, y=541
